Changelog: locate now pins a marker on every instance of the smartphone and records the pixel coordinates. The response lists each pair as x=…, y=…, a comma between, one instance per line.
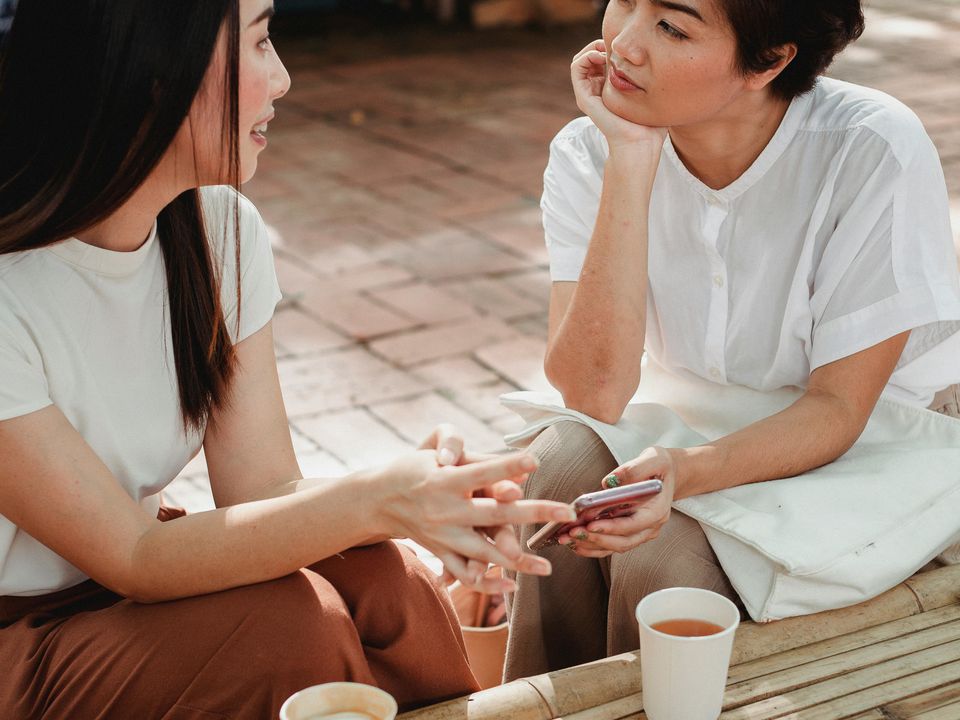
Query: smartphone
x=599, y=505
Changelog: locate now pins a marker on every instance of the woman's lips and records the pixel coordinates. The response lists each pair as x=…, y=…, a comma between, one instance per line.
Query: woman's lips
x=620, y=81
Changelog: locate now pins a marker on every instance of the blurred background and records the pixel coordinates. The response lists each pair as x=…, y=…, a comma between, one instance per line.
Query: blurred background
x=401, y=189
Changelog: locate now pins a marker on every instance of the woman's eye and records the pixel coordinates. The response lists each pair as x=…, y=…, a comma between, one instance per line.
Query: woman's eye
x=265, y=43
x=671, y=30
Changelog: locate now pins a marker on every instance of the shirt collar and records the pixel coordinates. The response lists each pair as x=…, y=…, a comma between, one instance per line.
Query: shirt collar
x=792, y=121
x=104, y=262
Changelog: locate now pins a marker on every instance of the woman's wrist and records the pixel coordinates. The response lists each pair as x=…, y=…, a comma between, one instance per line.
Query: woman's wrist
x=371, y=498
x=635, y=161
x=697, y=470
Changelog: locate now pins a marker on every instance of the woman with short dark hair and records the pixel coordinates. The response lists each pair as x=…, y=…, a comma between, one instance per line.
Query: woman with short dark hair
x=137, y=289
x=735, y=215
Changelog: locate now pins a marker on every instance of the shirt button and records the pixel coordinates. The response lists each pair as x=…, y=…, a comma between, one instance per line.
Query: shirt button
x=718, y=280
x=715, y=373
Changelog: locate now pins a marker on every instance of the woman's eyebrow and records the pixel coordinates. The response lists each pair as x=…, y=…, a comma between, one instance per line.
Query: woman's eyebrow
x=265, y=15
x=679, y=7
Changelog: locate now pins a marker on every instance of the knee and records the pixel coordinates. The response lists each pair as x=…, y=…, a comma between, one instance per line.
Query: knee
x=301, y=629
x=572, y=460
x=679, y=557
x=394, y=572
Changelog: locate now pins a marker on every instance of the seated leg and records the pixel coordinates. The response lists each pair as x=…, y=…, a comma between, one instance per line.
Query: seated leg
x=680, y=556
x=560, y=620
x=406, y=623
x=234, y=654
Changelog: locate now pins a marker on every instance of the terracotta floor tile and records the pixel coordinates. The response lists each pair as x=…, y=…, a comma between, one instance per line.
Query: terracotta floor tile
x=520, y=361
x=437, y=342
x=355, y=437
x=299, y=334
x=424, y=303
x=416, y=418
x=454, y=372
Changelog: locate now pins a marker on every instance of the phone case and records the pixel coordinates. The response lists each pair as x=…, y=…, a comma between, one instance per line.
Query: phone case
x=600, y=505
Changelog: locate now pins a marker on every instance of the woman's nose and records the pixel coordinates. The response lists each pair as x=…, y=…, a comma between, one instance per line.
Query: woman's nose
x=630, y=46
x=280, y=79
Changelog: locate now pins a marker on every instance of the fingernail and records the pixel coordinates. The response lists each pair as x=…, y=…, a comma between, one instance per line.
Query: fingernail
x=581, y=535
x=542, y=567
x=529, y=464
x=564, y=514
x=508, y=586
x=611, y=481
x=446, y=457
x=572, y=545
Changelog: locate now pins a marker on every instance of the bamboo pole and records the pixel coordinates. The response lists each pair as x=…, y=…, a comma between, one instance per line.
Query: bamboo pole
x=922, y=592
x=580, y=688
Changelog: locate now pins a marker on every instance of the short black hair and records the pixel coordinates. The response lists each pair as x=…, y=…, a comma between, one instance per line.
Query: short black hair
x=819, y=28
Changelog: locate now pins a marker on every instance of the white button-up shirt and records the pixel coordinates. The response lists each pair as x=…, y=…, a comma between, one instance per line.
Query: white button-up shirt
x=835, y=239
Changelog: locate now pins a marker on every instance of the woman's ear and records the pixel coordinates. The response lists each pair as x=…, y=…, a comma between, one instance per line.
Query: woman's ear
x=785, y=55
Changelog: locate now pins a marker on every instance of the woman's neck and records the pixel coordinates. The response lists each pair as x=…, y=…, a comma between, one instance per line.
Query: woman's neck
x=720, y=150
x=129, y=226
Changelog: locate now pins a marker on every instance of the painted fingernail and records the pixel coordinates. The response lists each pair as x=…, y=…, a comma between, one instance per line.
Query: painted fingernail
x=572, y=545
x=446, y=457
x=581, y=535
x=611, y=481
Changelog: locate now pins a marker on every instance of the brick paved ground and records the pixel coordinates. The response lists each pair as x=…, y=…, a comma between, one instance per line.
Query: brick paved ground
x=401, y=186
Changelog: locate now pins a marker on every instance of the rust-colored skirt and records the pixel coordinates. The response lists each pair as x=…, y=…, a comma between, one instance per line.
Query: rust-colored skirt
x=374, y=615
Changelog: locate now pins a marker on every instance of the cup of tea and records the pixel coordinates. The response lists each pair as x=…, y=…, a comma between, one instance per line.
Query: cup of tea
x=686, y=637
x=340, y=701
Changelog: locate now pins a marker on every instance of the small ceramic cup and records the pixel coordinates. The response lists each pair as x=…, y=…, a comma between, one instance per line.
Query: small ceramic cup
x=339, y=701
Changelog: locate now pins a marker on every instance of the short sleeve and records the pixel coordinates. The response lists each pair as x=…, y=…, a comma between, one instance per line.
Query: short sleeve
x=889, y=263
x=259, y=288
x=572, y=184
x=23, y=388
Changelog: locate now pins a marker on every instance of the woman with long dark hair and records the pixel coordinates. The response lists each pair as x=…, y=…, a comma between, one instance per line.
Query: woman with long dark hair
x=136, y=294
x=743, y=221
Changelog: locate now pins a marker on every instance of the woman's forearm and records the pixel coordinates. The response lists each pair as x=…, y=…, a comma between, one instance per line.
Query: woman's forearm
x=816, y=430
x=252, y=542
x=594, y=357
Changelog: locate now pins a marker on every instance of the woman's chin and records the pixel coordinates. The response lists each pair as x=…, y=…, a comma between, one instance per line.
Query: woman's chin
x=629, y=110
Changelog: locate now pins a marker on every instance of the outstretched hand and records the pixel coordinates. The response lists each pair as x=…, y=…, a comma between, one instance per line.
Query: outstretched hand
x=449, y=445
x=465, y=512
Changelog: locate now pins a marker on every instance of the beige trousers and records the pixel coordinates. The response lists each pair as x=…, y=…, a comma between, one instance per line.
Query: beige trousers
x=585, y=610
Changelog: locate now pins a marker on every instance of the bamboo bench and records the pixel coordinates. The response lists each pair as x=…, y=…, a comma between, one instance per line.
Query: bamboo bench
x=896, y=656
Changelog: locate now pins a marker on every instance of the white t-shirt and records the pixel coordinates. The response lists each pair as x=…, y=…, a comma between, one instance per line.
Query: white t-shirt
x=88, y=330
x=835, y=239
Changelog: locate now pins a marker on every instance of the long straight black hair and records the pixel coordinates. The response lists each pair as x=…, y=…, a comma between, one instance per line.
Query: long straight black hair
x=92, y=94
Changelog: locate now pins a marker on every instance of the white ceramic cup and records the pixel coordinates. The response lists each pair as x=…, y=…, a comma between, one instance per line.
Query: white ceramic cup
x=684, y=677
x=340, y=701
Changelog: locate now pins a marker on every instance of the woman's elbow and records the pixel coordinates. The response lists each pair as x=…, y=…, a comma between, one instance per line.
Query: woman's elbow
x=597, y=399
x=605, y=408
